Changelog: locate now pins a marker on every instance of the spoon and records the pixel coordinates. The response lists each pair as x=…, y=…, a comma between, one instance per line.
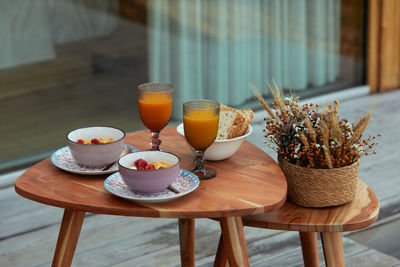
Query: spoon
x=124, y=152
x=173, y=189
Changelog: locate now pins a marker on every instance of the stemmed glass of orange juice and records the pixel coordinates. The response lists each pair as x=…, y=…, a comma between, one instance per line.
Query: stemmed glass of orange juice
x=155, y=108
x=200, y=123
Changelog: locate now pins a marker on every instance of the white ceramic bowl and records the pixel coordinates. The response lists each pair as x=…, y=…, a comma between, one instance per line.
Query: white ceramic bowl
x=96, y=155
x=221, y=149
x=149, y=181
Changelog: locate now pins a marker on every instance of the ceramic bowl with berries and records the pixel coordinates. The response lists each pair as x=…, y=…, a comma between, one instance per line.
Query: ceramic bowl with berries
x=96, y=146
x=149, y=171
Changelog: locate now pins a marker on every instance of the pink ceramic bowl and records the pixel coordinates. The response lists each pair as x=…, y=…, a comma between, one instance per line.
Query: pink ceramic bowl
x=100, y=154
x=149, y=181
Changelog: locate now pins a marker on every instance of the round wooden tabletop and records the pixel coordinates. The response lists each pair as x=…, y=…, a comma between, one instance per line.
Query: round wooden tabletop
x=250, y=182
x=359, y=213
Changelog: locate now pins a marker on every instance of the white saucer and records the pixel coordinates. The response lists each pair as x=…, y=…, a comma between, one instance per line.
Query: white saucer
x=63, y=159
x=185, y=183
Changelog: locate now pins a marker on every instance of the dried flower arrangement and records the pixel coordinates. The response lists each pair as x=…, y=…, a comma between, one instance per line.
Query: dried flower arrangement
x=313, y=136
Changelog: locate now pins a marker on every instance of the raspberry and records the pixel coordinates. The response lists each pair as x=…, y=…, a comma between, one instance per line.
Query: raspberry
x=80, y=141
x=140, y=168
x=140, y=163
x=95, y=141
x=150, y=167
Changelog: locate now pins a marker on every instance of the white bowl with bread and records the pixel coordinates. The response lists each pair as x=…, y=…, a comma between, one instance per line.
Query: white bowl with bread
x=234, y=126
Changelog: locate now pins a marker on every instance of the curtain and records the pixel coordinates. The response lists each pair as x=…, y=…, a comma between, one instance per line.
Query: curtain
x=214, y=49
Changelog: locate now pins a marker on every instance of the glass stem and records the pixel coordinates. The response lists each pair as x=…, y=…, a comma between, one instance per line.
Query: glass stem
x=199, y=159
x=155, y=141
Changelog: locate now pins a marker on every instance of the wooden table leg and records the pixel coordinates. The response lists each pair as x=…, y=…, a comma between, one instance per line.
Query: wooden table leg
x=333, y=248
x=309, y=246
x=221, y=259
x=187, y=237
x=68, y=237
x=234, y=241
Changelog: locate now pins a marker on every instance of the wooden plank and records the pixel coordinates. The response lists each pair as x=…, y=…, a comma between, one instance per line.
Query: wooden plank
x=104, y=239
x=373, y=36
x=389, y=46
x=383, y=236
x=125, y=241
x=18, y=215
x=383, y=53
x=154, y=246
x=355, y=255
x=371, y=257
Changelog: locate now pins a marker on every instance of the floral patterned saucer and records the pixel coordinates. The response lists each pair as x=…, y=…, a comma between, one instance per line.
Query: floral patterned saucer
x=185, y=183
x=63, y=159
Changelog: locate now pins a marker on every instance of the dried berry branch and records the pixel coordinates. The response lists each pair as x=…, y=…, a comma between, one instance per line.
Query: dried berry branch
x=304, y=140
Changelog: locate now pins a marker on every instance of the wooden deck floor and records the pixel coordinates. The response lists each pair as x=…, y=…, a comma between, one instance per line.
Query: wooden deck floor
x=28, y=230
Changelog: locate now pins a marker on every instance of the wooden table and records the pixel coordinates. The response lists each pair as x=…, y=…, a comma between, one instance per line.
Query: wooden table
x=248, y=183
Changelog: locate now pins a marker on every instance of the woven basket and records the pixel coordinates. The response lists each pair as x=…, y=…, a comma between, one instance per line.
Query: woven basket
x=310, y=187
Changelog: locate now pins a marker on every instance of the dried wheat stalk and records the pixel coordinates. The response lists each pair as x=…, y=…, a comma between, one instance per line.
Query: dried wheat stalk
x=262, y=101
x=336, y=132
x=325, y=146
x=310, y=129
x=359, y=129
x=281, y=104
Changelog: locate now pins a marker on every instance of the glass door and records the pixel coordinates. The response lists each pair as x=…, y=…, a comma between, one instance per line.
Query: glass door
x=67, y=64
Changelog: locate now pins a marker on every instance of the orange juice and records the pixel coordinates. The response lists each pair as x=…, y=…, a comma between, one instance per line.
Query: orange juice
x=201, y=127
x=155, y=110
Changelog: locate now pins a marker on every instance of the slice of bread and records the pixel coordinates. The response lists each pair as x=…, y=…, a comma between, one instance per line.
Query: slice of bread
x=248, y=115
x=229, y=121
x=233, y=122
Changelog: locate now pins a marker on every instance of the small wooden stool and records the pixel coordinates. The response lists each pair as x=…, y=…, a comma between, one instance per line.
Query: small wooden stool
x=361, y=212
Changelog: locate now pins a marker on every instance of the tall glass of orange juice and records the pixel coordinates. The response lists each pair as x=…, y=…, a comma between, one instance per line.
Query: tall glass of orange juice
x=200, y=123
x=155, y=108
